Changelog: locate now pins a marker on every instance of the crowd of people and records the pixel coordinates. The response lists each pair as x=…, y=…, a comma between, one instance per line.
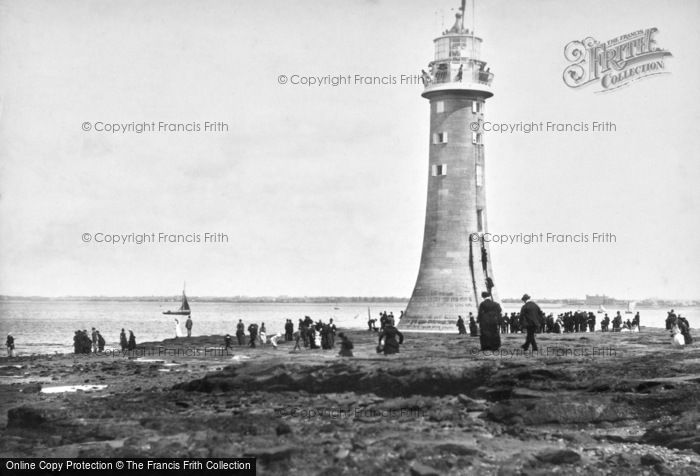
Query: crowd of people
x=491, y=322
x=488, y=325
x=318, y=334
x=570, y=321
x=680, y=329
x=84, y=343
x=310, y=334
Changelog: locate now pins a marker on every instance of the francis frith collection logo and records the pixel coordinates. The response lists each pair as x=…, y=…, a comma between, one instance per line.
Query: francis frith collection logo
x=614, y=63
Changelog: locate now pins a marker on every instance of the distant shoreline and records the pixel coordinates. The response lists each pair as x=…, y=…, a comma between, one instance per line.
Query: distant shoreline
x=214, y=299
x=574, y=303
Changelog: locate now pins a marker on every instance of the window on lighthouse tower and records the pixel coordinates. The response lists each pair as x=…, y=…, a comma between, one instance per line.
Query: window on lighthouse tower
x=438, y=170
x=440, y=138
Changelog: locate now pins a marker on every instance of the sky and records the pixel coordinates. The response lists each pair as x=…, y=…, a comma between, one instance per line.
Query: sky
x=321, y=190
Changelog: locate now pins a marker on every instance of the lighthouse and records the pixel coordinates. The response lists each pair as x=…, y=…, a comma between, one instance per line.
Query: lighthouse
x=455, y=266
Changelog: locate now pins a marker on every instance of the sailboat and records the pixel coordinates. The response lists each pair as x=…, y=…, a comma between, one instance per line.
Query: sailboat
x=184, y=307
x=630, y=307
x=601, y=309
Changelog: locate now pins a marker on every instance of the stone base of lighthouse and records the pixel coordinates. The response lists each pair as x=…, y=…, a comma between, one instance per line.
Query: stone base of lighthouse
x=447, y=288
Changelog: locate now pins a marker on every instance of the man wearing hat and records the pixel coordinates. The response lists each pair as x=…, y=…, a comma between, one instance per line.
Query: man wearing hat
x=530, y=318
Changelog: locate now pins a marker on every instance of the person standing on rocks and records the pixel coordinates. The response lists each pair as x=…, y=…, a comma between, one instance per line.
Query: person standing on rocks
x=473, y=328
x=94, y=340
x=670, y=319
x=122, y=340
x=489, y=317
x=392, y=339
x=591, y=322
x=253, y=333
x=288, y=330
x=240, y=332
x=188, y=326
x=85, y=342
x=333, y=329
x=227, y=343
x=297, y=339
x=10, y=344
x=132, y=341
x=100, y=342
x=636, y=320
x=461, y=328
x=530, y=317
x=684, y=327
x=262, y=333
x=345, y=345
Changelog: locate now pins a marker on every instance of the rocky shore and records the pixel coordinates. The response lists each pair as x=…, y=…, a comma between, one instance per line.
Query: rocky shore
x=602, y=403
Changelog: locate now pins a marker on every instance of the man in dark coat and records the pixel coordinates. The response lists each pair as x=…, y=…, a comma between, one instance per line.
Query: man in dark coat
x=461, y=328
x=240, y=332
x=188, y=326
x=488, y=319
x=253, y=331
x=390, y=334
x=530, y=318
x=473, y=328
x=122, y=340
x=288, y=330
x=100, y=342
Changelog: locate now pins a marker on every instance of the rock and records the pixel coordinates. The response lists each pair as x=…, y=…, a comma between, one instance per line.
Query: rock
x=558, y=456
x=578, y=409
x=457, y=449
x=283, y=429
x=663, y=470
x=419, y=469
x=342, y=453
x=31, y=388
x=650, y=459
x=622, y=459
x=275, y=453
x=470, y=404
x=26, y=417
x=358, y=445
x=326, y=428
x=519, y=392
x=680, y=432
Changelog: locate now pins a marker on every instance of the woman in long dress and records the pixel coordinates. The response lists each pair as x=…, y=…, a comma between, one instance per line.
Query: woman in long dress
x=677, y=339
x=178, y=331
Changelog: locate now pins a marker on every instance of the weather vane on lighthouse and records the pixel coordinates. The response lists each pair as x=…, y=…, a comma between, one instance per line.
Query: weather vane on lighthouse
x=455, y=267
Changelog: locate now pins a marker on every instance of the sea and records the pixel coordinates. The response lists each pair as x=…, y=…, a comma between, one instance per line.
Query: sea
x=41, y=327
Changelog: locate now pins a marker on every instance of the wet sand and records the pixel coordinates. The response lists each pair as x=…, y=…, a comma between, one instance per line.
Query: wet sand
x=601, y=403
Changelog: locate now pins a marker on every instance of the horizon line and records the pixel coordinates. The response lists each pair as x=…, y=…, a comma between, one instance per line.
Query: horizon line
x=314, y=297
